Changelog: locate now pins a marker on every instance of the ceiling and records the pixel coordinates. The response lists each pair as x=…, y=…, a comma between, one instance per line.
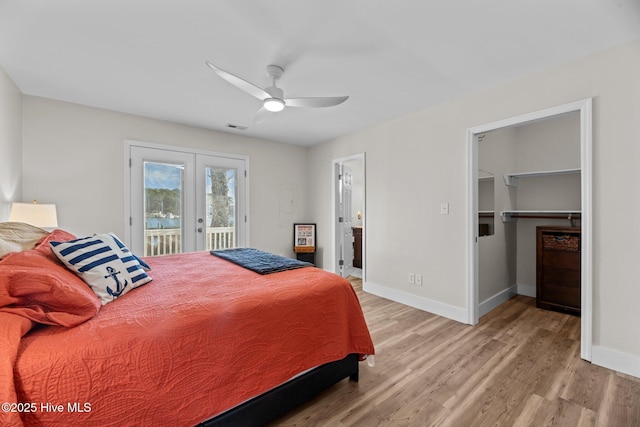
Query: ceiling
x=147, y=57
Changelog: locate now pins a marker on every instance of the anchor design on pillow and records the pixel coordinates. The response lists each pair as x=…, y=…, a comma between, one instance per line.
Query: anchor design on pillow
x=120, y=287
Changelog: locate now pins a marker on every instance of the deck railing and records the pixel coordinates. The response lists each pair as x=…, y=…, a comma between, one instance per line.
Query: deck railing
x=166, y=241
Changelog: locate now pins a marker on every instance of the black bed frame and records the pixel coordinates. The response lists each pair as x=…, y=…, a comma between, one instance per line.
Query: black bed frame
x=271, y=405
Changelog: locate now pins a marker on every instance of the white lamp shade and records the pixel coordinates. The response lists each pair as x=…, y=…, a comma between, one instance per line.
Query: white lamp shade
x=38, y=215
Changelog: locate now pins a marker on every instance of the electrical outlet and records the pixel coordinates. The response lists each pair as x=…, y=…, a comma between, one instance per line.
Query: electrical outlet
x=419, y=279
x=412, y=278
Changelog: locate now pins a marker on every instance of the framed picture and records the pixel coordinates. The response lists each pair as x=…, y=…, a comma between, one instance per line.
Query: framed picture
x=304, y=237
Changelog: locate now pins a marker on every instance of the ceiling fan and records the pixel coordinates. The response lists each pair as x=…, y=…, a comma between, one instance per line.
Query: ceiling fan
x=272, y=97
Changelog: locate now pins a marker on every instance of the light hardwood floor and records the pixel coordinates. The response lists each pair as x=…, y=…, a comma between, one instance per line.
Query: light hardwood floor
x=519, y=367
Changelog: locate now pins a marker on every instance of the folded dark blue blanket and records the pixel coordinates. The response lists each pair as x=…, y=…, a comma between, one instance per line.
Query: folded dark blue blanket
x=259, y=261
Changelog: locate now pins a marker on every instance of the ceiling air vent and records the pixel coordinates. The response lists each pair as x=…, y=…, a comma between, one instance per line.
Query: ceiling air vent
x=232, y=126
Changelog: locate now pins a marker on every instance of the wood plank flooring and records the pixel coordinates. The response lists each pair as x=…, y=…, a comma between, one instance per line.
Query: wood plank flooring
x=519, y=367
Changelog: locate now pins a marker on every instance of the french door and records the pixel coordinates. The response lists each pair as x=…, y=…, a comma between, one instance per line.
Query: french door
x=183, y=201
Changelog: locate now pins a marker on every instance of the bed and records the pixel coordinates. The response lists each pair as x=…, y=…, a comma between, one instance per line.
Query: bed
x=204, y=342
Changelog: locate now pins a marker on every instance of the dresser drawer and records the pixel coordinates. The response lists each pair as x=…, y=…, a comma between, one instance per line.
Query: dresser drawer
x=561, y=242
x=558, y=259
x=561, y=276
x=560, y=295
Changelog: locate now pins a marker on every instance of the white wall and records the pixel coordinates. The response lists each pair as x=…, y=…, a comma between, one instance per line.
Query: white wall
x=10, y=145
x=74, y=157
x=416, y=162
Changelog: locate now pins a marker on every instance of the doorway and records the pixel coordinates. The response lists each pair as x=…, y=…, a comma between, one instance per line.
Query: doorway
x=348, y=184
x=583, y=108
x=184, y=201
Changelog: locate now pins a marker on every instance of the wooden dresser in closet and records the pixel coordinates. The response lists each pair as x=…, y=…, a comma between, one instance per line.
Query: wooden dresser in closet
x=558, y=268
x=357, y=247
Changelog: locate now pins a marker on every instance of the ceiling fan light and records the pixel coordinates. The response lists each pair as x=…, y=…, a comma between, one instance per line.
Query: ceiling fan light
x=273, y=104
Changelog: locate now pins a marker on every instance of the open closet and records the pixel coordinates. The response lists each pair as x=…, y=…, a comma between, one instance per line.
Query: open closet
x=529, y=181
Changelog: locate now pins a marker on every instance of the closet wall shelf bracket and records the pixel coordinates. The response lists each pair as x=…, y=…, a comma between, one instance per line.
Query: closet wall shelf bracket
x=512, y=179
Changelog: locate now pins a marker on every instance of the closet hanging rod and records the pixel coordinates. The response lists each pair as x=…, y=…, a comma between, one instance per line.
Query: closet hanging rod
x=508, y=216
x=558, y=216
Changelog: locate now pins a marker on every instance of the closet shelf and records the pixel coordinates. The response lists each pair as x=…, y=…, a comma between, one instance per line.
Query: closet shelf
x=513, y=215
x=511, y=179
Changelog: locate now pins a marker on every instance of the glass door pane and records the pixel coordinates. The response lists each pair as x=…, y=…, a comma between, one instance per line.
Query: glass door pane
x=221, y=202
x=163, y=201
x=221, y=219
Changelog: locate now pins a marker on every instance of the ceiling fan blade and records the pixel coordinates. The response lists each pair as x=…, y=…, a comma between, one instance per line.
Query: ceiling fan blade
x=250, y=88
x=315, y=102
x=260, y=116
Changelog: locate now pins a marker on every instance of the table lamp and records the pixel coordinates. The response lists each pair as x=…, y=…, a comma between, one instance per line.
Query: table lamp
x=39, y=215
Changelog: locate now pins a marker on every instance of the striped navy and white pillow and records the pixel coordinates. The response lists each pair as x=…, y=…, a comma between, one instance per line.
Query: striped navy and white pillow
x=105, y=263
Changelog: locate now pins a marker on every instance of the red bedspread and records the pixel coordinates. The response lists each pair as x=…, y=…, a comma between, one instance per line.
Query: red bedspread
x=203, y=336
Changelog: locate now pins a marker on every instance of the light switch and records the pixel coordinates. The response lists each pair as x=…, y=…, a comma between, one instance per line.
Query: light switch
x=444, y=208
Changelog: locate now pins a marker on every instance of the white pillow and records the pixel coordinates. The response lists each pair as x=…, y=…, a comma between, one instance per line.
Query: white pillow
x=8, y=247
x=104, y=262
x=24, y=235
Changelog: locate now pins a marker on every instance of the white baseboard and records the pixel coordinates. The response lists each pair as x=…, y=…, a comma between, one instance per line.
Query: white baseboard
x=445, y=310
x=527, y=290
x=492, y=302
x=613, y=359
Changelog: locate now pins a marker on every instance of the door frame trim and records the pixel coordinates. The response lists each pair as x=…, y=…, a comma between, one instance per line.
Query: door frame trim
x=584, y=107
x=128, y=143
x=334, y=256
